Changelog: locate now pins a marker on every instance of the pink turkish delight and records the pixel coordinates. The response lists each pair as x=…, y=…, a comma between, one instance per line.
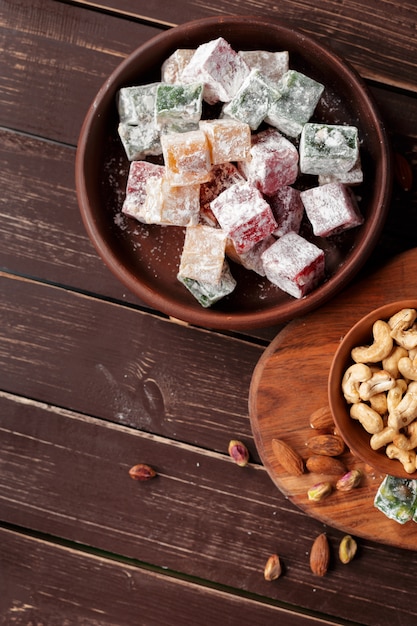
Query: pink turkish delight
x=219, y=67
x=252, y=259
x=331, y=209
x=223, y=176
x=288, y=210
x=139, y=173
x=273, y=162
x=244, y=215
x=294, y=264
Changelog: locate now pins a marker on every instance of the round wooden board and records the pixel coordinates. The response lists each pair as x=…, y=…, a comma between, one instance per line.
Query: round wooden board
x=290, y=382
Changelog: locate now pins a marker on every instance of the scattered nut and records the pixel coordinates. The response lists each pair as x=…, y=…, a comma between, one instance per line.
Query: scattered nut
x=320, y=491
x=141, y=471
x=320, y=555
x=290, y=460
x=403, y=172
x=349, y=481
x=328, y=445
x=347, y=549
x=322, y=419
x=320, y=464
x=238, y=452
x=273, y=569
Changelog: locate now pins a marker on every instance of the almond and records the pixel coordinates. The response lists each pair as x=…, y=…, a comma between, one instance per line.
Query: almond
x=320, y=555
x=403, y=172
x=290, y=460
x=328, y=445
x=321, y=464
x=322, y=419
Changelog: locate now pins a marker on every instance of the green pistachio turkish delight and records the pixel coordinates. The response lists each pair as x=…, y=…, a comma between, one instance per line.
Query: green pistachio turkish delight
x=328, y=148
x=397, y=498
x=178, y=107
x=137, y=129
x=251, y=102
x=206, y=293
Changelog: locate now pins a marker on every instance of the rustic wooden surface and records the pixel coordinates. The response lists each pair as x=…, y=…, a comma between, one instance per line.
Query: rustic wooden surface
x=93, y=381
x=285, y=375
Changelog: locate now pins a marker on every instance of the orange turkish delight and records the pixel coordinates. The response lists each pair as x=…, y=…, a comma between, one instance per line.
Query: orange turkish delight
x=187, y=157
x=203, y=254
x=169, y=205
x=229, y=140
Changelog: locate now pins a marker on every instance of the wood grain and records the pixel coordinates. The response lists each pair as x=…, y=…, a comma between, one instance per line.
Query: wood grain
x=290, y=382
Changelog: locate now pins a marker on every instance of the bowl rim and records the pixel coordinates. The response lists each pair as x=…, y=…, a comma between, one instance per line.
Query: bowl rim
x=374, y=458
x=212, y=317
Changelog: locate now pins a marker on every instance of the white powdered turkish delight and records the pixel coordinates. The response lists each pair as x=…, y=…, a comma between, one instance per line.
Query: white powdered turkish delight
x=208, y=294
x=328, y=149
x=187, y=157
x=288, y=210
x=244, y=215
x=173, y=66
x=294, y=264
x=273, y=65
x=219, y=67
x=137, y=129
x=331, y=209
x=252, y=100
x=178, y=108
x=229, y=140
x=171, y=206
x=299, y=96
x=273, y=162
x=222, y=177
x=139, y=173
x=203, y=254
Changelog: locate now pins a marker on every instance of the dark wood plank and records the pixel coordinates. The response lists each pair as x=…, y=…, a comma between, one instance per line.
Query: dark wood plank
x=66, y=475
x=124, y=365
x=46, y=583
x=378, y=38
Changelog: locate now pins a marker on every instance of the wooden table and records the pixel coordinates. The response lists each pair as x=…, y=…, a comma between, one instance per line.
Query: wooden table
x=93, y=382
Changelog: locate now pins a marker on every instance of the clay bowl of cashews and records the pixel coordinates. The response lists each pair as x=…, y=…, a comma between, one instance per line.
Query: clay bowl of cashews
x=372, y=389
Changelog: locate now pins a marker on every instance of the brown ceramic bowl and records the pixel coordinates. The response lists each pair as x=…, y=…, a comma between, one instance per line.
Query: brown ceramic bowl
x=352, y=432
x=145, y=258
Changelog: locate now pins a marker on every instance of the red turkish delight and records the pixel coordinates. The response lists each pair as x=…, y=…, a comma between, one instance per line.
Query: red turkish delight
x=294, y=264
x=273, y=162
x=244, y=215
x=331, y=209
x=288, y=210
x=139, y=173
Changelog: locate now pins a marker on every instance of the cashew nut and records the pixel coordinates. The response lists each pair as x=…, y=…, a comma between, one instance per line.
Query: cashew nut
x=390, y=363
x=408, y=367
x=407, y=440
x=379, y=403
x=353, y=377
x=403, y=329
x=380, y=381
x=406, y=411
x=379, y=349
x=370, y=419
x=394, y=395
x=384, y=437
x=406, y=457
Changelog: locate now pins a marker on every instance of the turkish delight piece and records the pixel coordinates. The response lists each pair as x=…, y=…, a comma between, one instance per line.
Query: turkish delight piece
x=331, y=209
x=222, y=177
x=244, y=215
x=178, y=107
x=171, y=206
x=139, y=173
x=397, y=499
x=174, y=65
x=203, y=254
x=328, y=148
x=137, y=130
x=229, y=140
x=294, y=264
x=351, y=177
x=299, y=97
x=252, y=259
x=252, y=100
x=187, y=157
x=273, y=65
x=273, y=162
x=288, y=210
x=208, y=294
x=219, y=67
